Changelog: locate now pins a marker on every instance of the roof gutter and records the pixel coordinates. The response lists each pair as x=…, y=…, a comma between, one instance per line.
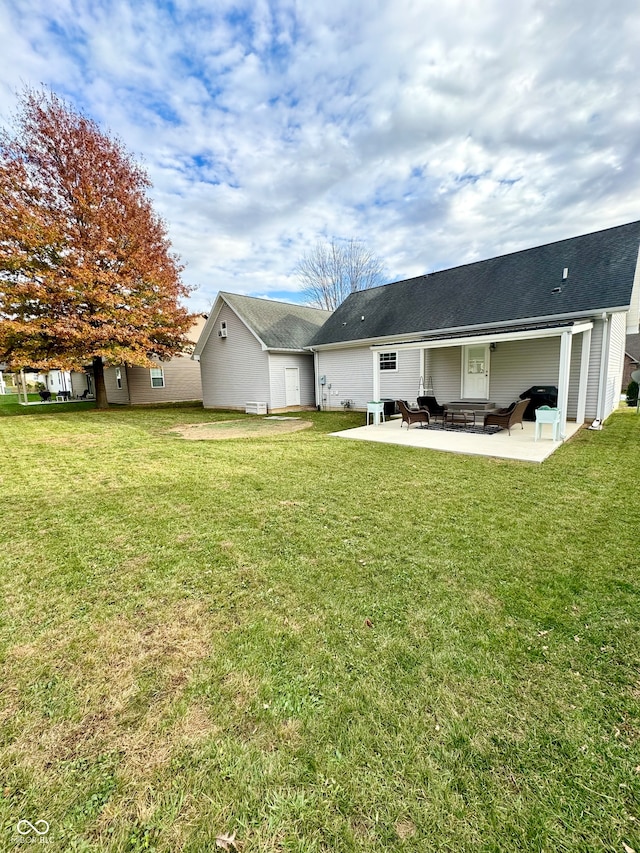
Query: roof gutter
x=466, y=340
x=286, y=350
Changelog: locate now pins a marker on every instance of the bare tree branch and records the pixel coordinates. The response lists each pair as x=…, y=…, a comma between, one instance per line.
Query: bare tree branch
x=331, y=271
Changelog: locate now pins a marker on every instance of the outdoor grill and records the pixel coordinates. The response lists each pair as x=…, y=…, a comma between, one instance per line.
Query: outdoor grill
x=390, y=407
x=541, y=395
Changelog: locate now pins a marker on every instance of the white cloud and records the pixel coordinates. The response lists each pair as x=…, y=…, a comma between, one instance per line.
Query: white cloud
x=433, y=131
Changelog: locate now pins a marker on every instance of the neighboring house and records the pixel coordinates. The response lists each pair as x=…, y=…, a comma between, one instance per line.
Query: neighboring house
x=487, y=331
x=253, y=350
x=631, y=359
x=173, y=381
x=56, y=381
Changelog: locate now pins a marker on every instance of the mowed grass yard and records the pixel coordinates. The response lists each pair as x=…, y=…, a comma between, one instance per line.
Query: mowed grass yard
x=301, y=643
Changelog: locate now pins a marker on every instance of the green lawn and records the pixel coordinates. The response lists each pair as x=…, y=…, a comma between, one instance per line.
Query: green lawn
x=316, y=644
x=10, y=404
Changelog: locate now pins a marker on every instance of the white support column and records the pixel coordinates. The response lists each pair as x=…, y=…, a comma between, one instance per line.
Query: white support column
x=376, y=375
x=604, y=360
x=563, y=381
x=584, y=376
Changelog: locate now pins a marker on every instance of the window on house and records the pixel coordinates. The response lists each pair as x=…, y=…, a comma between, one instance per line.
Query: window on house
x=157, y=377
x=119, y=377
x=388, y=361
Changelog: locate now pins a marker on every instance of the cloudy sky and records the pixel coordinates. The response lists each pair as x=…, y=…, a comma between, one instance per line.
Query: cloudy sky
x=435, y=132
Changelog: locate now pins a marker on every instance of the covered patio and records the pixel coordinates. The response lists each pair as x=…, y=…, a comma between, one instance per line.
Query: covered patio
x=520, y=445
x=498, y=365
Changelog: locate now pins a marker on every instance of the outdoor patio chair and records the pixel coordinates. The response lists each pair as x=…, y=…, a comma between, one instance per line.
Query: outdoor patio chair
x=412, y=416
x=506, y=418
x=433, y=407
x=45, y=396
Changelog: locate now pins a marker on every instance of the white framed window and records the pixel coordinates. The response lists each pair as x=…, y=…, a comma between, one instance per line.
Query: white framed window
x=388, y=361
x=157, y=377
x=118, y=377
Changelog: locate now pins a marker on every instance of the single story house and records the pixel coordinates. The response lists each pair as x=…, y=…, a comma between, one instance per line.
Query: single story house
x=485, y=332
x=253, y=351
x=173, y=381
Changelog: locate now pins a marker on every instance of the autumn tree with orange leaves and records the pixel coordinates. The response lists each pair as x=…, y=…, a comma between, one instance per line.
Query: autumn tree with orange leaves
x=86, y=268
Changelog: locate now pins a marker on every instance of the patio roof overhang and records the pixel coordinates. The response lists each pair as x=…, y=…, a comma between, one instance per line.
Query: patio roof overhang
x=520, y=333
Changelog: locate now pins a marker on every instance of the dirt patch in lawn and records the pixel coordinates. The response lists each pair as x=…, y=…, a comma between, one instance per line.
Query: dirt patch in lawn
x=249, y=428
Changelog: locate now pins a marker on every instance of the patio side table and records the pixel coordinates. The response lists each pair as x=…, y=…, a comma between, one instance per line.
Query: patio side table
x=376, y=409
x=546, y=415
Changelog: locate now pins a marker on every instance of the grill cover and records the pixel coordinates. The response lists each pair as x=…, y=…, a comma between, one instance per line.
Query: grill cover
x=541, y=395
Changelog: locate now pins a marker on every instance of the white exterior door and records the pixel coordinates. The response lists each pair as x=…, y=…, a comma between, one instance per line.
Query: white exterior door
x=292, y=386
x=475, y=372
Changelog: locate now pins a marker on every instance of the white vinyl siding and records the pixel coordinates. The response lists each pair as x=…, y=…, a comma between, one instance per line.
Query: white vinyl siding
x=234, y=369
x=591, y=409
x=278, y=362
x=517, y=365
x=615, y=364
x=574, y=378
x=404, y=382
x=350, y=374
x=443, y=367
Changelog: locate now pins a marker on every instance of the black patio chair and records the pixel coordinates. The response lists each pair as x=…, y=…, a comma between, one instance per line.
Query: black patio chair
x=434, y=408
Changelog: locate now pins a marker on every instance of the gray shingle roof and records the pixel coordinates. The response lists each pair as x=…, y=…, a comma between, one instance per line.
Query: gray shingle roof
x=508, y=288
x=279, y=325
x=632, y=346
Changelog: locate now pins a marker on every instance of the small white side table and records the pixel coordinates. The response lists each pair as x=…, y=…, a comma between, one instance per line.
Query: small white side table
x=545, y=415
x=377, y=410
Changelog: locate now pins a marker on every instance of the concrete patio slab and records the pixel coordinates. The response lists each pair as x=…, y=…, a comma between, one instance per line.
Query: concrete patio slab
x=519, y=445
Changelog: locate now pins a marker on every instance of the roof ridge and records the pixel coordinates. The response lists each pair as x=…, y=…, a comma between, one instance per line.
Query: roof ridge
x=226, y=293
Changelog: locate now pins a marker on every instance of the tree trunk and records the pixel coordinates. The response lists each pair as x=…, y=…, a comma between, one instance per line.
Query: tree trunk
x=98, y=378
